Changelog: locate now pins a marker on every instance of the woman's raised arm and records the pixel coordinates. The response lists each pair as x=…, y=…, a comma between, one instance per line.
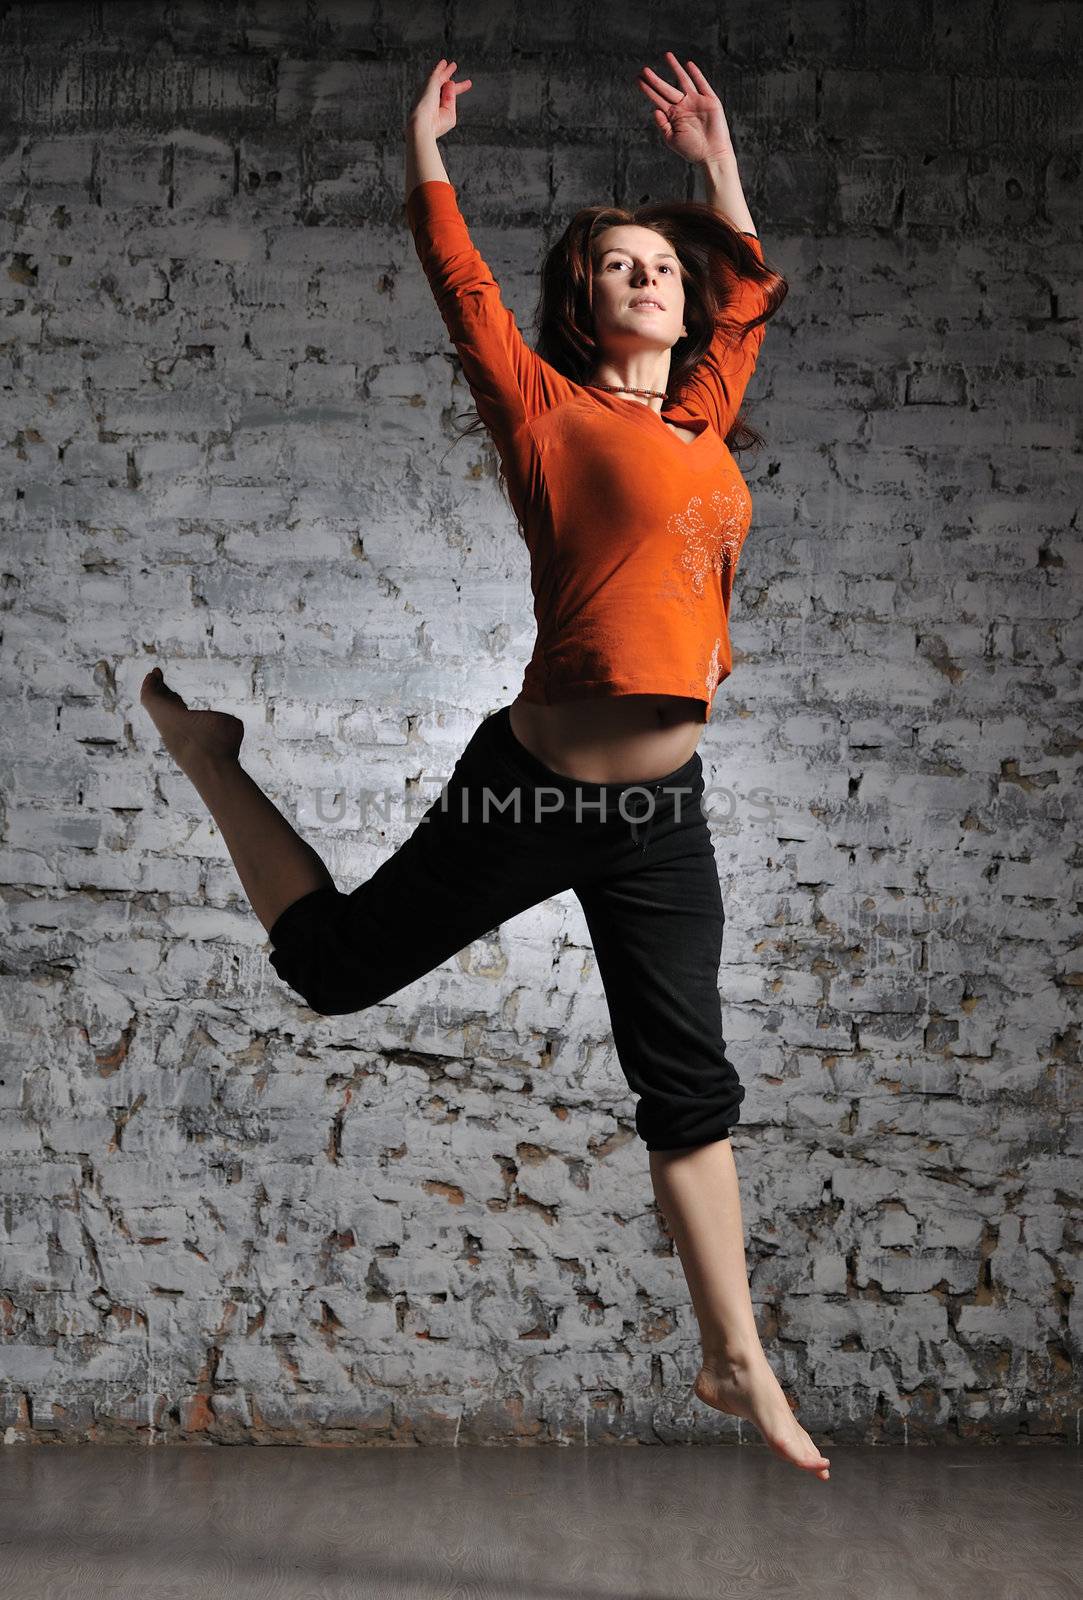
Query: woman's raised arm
x=432, y=115
x=509, y=381
x=693, y=124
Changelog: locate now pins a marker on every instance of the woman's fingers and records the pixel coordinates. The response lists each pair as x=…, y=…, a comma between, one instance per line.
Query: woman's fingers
x=694, y=84
x=701, y=82
x=660, y=104
x=447, y=71
x=682, y=77
x=672, y=95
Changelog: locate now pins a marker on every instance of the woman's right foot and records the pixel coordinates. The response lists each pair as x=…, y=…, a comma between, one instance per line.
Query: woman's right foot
x=750, y=1390
x=189, y=736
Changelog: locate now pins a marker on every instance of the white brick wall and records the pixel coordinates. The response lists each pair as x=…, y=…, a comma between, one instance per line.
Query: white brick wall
x=225, y=393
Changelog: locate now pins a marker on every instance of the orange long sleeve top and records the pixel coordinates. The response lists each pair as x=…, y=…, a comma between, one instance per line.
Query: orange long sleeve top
x=634, y=534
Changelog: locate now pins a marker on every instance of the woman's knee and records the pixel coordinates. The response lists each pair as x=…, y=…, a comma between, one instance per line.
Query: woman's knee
x=328, y=992
x=317, y=958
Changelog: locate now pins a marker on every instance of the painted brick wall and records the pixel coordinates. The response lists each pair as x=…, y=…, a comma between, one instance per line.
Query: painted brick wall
x=227, y=397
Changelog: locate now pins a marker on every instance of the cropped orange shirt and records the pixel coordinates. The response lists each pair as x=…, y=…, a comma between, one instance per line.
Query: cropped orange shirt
x=634, y=534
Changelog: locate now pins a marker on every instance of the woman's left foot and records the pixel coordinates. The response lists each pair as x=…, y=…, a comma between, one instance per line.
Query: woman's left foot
x=189, y=736
x=750, y=1390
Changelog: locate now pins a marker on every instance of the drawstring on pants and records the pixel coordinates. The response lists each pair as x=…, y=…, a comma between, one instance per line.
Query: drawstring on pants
x=637, y=822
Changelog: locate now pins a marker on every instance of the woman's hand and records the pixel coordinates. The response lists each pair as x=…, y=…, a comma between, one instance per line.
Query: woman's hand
x=690, y=119
x=434, y=108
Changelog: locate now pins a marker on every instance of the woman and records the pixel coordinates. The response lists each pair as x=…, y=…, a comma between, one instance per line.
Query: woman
x=634, y=521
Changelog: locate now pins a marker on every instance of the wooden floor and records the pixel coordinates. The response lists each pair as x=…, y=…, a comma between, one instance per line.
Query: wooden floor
x=85, y=1522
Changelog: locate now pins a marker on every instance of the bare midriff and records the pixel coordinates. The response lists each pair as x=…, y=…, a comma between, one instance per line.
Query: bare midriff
x=628, y=738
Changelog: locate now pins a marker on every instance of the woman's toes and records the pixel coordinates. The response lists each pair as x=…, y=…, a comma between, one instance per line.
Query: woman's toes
x=154, y=685
x=189, y=736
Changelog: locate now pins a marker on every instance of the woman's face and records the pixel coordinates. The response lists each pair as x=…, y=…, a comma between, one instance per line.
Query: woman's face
x=633, y=264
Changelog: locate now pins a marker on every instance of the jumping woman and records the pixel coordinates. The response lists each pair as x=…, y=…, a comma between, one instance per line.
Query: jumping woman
x=613, y=440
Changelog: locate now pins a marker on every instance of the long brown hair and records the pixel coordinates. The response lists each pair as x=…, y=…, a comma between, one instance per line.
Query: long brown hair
x=711, y=252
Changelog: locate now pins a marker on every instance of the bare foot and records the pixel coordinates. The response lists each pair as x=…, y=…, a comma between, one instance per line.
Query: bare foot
x=751, y=1390
x=189, y=736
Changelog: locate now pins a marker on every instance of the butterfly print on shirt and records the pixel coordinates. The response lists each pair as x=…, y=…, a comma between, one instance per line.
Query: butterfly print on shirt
x=708, y=538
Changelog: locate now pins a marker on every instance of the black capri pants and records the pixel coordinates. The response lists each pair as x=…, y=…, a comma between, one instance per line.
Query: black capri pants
x=507, y=832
